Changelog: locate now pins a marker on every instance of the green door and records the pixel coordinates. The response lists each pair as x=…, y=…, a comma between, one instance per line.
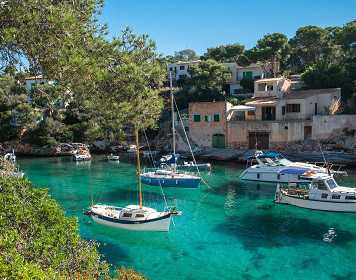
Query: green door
x=219, y=141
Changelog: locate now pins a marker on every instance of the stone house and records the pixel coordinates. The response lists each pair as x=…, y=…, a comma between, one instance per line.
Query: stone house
x=274, y=117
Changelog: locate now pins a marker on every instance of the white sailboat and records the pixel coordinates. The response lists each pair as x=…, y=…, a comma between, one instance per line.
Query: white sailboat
x=170, y=178
x=323, y=193
x=269, y=169
x=132, y=217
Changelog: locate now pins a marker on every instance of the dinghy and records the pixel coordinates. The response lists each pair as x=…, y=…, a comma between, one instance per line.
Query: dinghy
x=113, y=157
x=132, y=217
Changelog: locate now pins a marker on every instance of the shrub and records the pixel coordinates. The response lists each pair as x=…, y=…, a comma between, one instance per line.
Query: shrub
x=248, y=83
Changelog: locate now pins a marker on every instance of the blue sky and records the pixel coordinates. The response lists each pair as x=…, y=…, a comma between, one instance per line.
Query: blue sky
x=198, y=25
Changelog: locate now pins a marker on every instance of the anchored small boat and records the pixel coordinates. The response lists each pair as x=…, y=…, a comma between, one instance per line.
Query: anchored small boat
x=151, y=153
x=193, y=166
x=322, y=193
x=132, y=217
x=271, y=165
x=82, y=156
x=113, y=157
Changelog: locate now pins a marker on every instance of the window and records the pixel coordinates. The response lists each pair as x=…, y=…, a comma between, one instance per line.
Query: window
x=335, y=196
x=350, y=197
x=216, y=118
x=140, y=216
x=32, y=85
x=321, y=186
x=332, y=184
x=171, y=69
x=293, y=108
x=283, y=110
x=196, y=118
x=324, y=195
x=126, y=215
x=250, y=113
x=286, y=127
x=186, y=128
x=181, y=67
x=207, y=118
x=247, y=74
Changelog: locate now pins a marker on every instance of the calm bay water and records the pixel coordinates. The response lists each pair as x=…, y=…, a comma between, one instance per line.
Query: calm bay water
x=230, y=231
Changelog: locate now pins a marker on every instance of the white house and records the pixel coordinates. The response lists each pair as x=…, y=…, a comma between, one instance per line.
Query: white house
x=36, y=80
x=179, y=69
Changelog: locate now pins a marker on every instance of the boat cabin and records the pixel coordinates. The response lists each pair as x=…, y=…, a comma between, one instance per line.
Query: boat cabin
x=322, y=187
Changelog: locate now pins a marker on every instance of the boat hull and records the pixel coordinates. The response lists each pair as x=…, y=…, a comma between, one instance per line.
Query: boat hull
x=171, y=182
x=157, y=224
x=272, y=177
x=349, y=207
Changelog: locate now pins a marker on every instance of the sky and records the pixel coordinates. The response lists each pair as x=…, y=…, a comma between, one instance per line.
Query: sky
x=198, y=25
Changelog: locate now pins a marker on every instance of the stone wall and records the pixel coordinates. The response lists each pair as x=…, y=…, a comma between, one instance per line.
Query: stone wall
x=328, y=127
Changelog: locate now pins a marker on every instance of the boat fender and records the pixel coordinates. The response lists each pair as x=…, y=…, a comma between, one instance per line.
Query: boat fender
x=172, y=176
x=150, y=181
x=176, y=181
x=258, y=175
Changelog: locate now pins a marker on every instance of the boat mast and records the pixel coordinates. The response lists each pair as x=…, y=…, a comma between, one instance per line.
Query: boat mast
x=173, y=127
x=138, y=166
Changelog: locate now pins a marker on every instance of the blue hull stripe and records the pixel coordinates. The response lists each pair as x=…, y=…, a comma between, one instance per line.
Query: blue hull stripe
x=118, y=221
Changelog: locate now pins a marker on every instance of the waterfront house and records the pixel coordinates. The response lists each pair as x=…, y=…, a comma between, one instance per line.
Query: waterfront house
x=273, y=118
x=179, y=70
x=36, y=80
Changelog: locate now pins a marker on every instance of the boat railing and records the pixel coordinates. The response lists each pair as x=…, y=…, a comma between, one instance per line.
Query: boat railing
x=331, y=166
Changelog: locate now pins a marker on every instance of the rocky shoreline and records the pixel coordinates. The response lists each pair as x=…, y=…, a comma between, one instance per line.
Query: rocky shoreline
x=297, y=152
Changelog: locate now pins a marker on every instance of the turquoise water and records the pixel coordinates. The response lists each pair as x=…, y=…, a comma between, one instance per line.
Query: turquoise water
x=230, y=231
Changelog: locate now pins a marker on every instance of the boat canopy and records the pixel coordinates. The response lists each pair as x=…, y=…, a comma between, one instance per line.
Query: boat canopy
x=293, y=171
x=269, y=155
x=169, y=161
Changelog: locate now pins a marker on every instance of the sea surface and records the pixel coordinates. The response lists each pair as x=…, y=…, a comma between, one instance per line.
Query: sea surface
x=229, y=230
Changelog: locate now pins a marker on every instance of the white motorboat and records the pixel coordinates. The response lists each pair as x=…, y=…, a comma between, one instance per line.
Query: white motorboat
x=132, y=217
x=82, y=156
x=191, y=165
x=10, y=157
x=323, y=193
x=270, y=165
x=113, y=157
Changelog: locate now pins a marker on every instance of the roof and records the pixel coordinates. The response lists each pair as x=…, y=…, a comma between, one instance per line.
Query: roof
x=35, y=77
x=242, y=108
x=300, y=94
x=263, y=100
x=270, y=80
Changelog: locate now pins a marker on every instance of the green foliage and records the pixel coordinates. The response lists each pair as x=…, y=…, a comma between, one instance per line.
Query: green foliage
x=185, y=55
x=327, y=75
x=248, y=83
x=37, y=240
x=227, y=53
x=273, y=44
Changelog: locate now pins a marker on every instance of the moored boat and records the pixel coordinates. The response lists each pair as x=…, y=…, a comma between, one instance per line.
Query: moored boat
x=82, y=156
x=323, y=193
x=269, y=168
x=113, y=157
x=191, y=166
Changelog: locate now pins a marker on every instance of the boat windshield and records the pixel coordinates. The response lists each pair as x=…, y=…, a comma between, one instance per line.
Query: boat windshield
x=278, y=162
x=331, y=183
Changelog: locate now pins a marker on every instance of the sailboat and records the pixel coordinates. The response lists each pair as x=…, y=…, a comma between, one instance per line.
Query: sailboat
x=131, y=217
x=170, y=178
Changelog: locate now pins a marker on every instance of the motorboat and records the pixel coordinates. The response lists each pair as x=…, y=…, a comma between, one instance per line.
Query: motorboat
x=113, y=157
x=10, y=157
x=168, y=159
x=269, y=165
x=132, y=217
x=191, y=165
x=170, y=179
x=323, y=193
x=82, y=156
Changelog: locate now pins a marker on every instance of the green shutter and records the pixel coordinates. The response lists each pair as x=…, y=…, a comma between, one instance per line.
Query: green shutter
x=216, y=118
x=206, y=118
x=196, y=118
x=186, y=128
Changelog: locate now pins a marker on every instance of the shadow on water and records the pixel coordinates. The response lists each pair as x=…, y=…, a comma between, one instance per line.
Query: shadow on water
x=349, y=276
x=267, y=230
x=112, y=252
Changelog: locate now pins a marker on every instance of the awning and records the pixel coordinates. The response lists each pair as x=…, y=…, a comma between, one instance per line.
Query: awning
x=293, y=171
x=243, y=108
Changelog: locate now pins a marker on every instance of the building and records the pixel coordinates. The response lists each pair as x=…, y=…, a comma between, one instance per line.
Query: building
x=36, y=80
x=253, y=71
x=179, y=70
x=274, y=117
